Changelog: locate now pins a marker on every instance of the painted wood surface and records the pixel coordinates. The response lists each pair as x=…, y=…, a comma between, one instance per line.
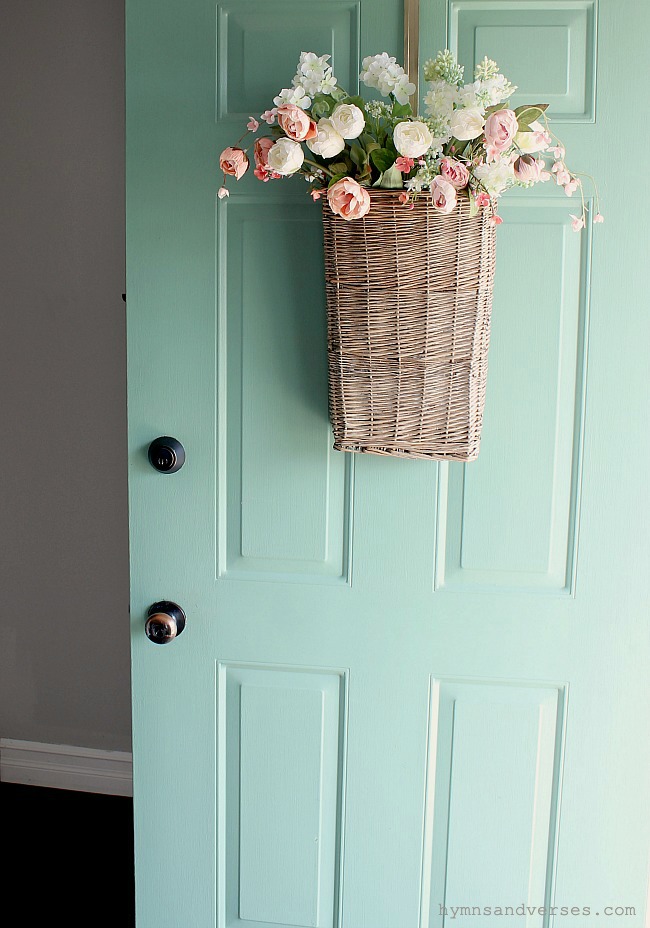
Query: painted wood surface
x=402, y=686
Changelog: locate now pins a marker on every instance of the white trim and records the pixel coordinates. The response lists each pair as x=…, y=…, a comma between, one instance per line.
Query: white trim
x=61, y=766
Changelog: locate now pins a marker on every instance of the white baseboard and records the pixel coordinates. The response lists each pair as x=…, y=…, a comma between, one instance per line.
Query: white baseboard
x=61, y=766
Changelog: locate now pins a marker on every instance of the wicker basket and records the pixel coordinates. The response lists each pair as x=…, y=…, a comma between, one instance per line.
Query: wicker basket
x=409, y=296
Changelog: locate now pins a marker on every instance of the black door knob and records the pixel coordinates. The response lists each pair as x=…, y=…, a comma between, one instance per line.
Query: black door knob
x=165, y=621
x=166, y=454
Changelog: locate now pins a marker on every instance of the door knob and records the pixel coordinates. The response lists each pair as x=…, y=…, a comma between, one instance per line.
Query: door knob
x=166, y=454
x=165, y=621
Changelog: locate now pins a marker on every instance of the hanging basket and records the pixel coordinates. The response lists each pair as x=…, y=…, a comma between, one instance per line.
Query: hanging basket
x=409, y=297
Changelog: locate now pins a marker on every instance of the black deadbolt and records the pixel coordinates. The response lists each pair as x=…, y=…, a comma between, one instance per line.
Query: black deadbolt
x=166, y=454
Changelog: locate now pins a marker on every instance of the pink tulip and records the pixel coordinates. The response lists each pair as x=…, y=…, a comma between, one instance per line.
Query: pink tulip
x=527, y=169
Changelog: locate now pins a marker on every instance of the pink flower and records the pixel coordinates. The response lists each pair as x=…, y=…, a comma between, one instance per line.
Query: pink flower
x=482, y=199
x=405, y=165
x=261, y=155
x=577, y=222
x=269, y=116
x=562, y=176
x=252, y=125
x=316, y=194
x=572, y=186
x=404, y=198
x=599, y=218
x=527, y=169
x=455, y=172
x=500, y=129
x=224, y=192
x=348, y=199
x=296, y=123
x=495, y=220
x=558, y=152
x=233, y=162
x=443, y=193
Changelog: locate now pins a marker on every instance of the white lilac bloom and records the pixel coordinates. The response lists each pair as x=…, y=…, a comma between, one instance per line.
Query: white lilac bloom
x=468, y=96
x=295, y=95
x=384, y=74
x=495, y=90
x=314, y=74
x=496, y=176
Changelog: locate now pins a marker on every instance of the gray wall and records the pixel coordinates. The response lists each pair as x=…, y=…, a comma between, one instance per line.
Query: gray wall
x=64, y=664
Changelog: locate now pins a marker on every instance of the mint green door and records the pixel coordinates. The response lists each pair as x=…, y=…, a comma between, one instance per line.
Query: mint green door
x=403, y=687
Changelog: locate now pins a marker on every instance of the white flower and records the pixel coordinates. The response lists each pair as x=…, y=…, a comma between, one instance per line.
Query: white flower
x=496, y=176
x=285, y=157
x=403, y=88
x=384, y=74
x=348, y=120
x=314, y=74
x=467, y=123
x=328, y=142
x=412, y=139
x=440, y=98
x=223, y=192
x=467, y=96
x=294, y=95
x=495, y=90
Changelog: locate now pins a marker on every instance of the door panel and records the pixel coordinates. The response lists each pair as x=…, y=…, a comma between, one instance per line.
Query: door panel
x=402, y=686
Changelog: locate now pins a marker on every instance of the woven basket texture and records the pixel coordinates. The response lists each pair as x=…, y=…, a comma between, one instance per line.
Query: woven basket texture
x=409, y=298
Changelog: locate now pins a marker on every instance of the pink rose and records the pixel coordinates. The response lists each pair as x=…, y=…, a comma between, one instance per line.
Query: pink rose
x=500, y=129
x=296, y=123
x=261, y=154
x=348, y=199
x=455, y=172
x=527, y=169
x=233, y=161
x=443, y=193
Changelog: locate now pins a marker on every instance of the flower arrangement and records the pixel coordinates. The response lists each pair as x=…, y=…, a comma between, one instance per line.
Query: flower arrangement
x=468, y=143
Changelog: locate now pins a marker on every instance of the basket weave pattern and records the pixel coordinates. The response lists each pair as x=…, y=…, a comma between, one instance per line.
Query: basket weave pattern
x=409, y=297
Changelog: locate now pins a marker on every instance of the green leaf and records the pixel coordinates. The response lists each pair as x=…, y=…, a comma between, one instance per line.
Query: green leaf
x=473, y=205
x=529, y=113
x=367, y=141
x=401, y=110
x=358, y=155
x=382, y=159
x=354, y=101
x=392, y=179
x=338, y=94
x=322, y=105
x=336, y=179
x=340, y=167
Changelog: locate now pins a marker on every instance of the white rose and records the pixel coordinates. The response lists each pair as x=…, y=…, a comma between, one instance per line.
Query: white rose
x=412, y=139
x=285, y=157
x=328, y=142
x=348, y=120
x=467, y=123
